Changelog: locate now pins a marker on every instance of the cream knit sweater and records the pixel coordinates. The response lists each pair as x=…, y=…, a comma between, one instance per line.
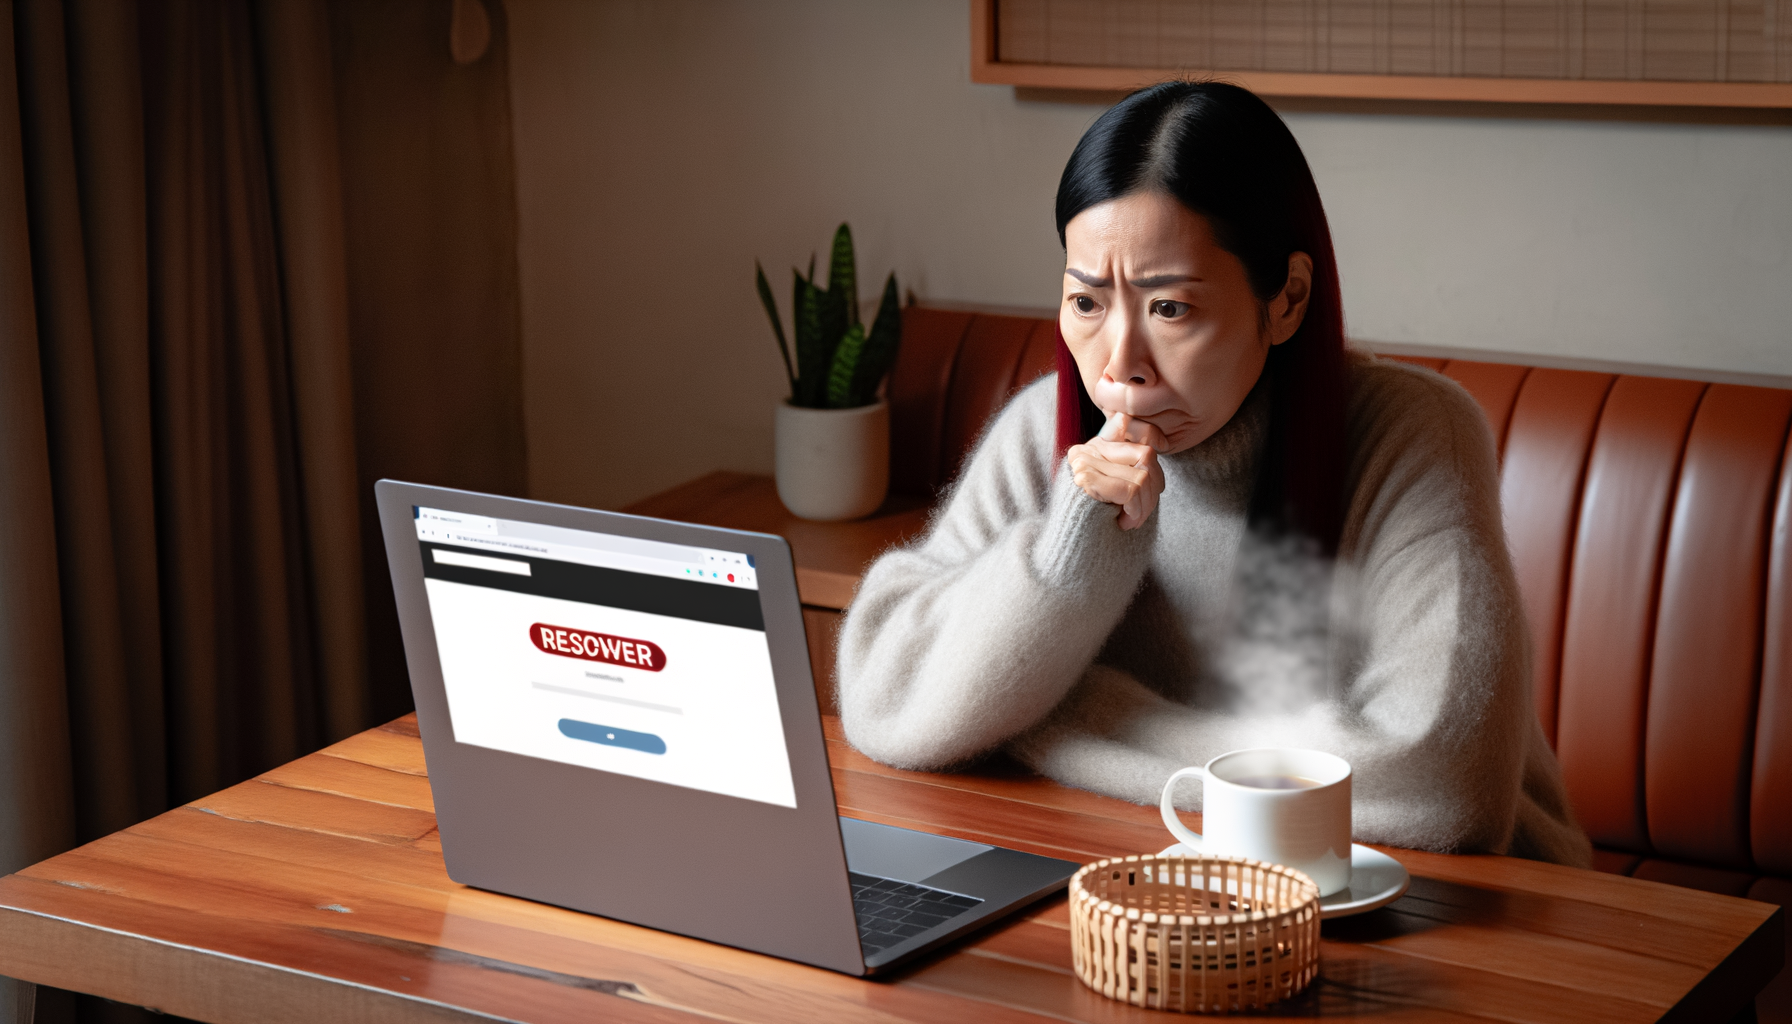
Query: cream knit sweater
x=1025, y=619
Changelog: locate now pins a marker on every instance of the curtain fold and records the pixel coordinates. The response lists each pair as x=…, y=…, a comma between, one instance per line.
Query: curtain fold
x=191, y=229
x=234, y=607
x=294, y=38
x=97, y=680
x=36, y=802
x=180, y=559
x=108, y=130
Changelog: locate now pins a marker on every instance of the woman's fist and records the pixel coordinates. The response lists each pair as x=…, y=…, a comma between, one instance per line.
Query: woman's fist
x=1119, y=466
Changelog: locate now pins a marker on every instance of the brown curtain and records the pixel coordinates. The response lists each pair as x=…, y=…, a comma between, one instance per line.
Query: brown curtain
x=189, y=572
x=193, y=650
x=175, y=402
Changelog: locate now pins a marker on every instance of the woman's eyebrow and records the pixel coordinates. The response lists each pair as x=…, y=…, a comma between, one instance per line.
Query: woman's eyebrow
x=1089, y=279
x=1163, y=279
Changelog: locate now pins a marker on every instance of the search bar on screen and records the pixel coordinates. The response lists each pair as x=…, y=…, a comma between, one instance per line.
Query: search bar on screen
x=467, y=561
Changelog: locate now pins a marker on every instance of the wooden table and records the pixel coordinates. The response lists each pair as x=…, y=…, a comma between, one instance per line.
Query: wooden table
x=317, y=893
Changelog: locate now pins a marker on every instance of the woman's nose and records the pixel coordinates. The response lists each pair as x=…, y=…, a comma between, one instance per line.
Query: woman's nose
x=1129, y=362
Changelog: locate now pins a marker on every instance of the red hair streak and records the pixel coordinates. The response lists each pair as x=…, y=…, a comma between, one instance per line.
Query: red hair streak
x=1079, y=418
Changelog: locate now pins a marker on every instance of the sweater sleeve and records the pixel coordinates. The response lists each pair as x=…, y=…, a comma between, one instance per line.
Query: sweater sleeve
x=962, y=640
x=1429, y=696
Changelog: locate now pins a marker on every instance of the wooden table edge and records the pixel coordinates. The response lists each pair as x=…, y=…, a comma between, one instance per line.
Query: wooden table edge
x=44, y=946
x=214, y=985
x=1755, y=961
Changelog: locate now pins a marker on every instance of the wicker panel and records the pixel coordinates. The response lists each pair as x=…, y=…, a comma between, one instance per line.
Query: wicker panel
x=1195, y=934
x=1612, y=40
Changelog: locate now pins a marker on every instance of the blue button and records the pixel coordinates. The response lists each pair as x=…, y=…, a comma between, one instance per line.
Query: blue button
x=645, y=742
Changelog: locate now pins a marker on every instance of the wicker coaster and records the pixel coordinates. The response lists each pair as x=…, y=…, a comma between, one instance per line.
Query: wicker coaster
x=1197, y=934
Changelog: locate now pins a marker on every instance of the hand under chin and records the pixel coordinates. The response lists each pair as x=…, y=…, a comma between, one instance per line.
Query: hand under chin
x=1180, y=429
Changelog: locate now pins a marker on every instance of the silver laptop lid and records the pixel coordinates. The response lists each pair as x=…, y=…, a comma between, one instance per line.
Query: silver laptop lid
x=618, y=717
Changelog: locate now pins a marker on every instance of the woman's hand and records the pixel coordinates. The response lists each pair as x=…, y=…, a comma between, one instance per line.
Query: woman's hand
x=1119, y=466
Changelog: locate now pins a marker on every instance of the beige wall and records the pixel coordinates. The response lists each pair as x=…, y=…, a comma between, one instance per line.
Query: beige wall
x=662, y=146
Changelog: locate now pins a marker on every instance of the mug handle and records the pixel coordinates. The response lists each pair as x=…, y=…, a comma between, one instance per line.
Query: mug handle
x=1189, y=839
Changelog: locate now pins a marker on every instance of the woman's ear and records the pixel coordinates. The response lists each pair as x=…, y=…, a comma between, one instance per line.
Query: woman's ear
x=1289, y=308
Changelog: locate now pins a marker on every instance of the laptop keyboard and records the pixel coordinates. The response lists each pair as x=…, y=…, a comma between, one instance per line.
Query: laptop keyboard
x=890, y=911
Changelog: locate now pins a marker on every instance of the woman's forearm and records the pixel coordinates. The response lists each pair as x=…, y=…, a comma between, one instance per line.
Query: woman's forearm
x=950, y=649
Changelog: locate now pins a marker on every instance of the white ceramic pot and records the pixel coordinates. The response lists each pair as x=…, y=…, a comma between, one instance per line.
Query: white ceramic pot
x=833, y=464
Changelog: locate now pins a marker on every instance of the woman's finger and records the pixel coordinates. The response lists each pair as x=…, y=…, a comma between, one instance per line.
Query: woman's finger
x=1108, y=482
x=1124, y=427
x=1134, y=488
x=1130, y=478
x=1110, y=491
x=1147, y=433
x=1136, y=512
x=1115, y=428
x=1123, y=452
x=1125, y=466
x=1146, y=472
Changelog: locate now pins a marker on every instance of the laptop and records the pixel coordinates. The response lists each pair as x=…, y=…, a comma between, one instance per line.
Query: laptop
x=618, y=717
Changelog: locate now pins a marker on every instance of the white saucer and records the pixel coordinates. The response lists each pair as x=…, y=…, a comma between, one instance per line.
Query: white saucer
x=1376, y=880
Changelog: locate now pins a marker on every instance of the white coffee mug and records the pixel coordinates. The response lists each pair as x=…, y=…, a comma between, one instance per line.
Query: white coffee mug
x=1275, y=804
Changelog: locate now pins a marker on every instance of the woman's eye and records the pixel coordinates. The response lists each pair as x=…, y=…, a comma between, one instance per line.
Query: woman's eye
x=1084, y=304
x=1169, y=310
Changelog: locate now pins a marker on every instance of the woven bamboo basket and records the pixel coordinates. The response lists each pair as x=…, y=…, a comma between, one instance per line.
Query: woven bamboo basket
x=1195, y=934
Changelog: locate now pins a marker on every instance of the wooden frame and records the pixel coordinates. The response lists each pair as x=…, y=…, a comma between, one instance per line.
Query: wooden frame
x=986, y=69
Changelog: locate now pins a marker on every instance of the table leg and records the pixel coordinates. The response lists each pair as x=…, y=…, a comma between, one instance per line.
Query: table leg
x=18, y=1001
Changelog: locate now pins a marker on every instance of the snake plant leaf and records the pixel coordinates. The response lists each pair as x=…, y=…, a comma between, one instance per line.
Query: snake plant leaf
x=847, y=359
x=843, y=274
x=833, y=324
x=832, y=360
x=771, y=310
x=879, y=352
x=814, y=350
x=799, y=333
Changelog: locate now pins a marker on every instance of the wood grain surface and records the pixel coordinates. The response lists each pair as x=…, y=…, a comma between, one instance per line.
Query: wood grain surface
x=317, y=892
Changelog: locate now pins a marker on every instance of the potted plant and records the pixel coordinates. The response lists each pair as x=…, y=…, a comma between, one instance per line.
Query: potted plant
x=833, y=432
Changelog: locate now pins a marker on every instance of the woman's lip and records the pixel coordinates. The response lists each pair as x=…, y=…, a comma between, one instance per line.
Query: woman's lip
x=1152, y=418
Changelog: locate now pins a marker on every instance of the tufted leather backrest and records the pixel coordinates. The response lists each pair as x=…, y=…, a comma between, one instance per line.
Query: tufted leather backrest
x=1650, y=521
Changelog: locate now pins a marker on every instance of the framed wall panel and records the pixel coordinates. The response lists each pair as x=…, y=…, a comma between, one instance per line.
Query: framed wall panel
x=1717, y=53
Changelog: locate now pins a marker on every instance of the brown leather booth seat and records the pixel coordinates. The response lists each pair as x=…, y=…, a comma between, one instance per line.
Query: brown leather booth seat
x=1650, y=521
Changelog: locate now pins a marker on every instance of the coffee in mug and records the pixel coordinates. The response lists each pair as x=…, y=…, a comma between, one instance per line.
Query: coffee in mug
x=1277, y=804
x=1278, y=782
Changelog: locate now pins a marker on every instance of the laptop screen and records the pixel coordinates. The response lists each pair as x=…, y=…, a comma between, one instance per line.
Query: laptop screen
x=633, y=656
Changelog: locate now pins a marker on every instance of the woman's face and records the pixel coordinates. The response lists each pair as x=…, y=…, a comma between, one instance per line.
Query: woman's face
x=1162, y=321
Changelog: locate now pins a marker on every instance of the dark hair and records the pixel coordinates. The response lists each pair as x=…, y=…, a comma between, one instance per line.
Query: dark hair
x=1223, y=153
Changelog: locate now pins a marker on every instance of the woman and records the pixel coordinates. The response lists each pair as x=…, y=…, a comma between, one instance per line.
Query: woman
x=1215, y=529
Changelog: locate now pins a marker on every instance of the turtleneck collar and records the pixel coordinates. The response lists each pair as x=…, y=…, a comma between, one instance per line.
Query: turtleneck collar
x=1231, y=455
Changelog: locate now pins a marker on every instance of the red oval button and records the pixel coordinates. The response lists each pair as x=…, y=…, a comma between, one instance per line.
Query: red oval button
x=615, y=650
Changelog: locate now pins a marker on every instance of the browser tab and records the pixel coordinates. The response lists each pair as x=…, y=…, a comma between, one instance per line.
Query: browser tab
x=457, y=521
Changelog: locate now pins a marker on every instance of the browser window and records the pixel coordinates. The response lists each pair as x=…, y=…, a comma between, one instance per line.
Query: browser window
x=631, y=656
